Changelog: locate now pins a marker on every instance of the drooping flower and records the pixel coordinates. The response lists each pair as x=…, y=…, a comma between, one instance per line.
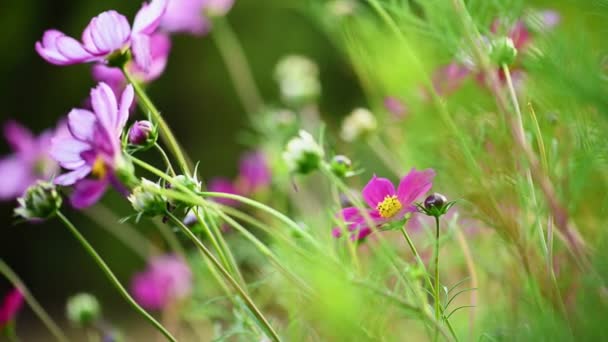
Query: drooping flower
x=11, y=304
x=167, y=279
x=254, y=173
x=30, y=161
x=93, y=147
x=385, y=203
x=108, y=34
x=193, y=16
x=448, y=78
x=160, y=46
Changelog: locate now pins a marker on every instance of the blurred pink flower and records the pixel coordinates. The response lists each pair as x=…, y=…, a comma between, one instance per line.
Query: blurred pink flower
x=106, y=34
x=395, y=106
x=167, y=279
x=31, y=160
x=386, y=204
x=225, y=185
x=193, y=16
x=254, y=173
x=11, y=304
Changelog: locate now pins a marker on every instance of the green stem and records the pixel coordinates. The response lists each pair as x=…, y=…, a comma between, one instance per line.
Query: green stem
x=418, y=258
x=248, y=301
x=110, y=275
x=8, y=273
x=437, y=297
x=165, y=158
x=165, y=131
x=238, y=68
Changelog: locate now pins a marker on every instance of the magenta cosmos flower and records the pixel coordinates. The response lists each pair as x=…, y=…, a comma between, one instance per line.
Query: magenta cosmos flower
x=450, y=77
x=31, y=160
x=192, y=16
x=160, y=46
x=167, y=279
x=11, y=304
x=92, y=149
x=254, y=173
x=386, y=204
x=107, y=34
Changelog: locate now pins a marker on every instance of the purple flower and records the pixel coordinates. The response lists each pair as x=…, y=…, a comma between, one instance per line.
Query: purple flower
x=220, y=184
x=30, y=161
x=107, y=34
x=254, y=173
x=386, y=204
x=93, y=147
x=450, y=77
x=395, y=106
x=192, y=16
x=11, y=304
x=160, y=46
x=166, y=279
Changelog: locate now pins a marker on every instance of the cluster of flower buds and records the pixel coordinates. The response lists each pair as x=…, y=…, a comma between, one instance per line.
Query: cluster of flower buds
x=40, y=201
x=83, y=309
x=147, y=200
x=303, y=154
x=358, y=124
x=298, y=79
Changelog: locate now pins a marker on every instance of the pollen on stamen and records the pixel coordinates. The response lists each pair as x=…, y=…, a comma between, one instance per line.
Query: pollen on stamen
x=99, y=168
x=389, y=206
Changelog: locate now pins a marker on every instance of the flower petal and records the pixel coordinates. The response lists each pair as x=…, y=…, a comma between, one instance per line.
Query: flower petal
x=149, y=16
x=15, y=177
x=107, y=32
x=104, y=104
x=140, y=46
x=126, y=100
x=81, y=124
x=72, y=50
x=185, y=16
x=414, y=185
x=70, y=178
x=67, y=151
x=49, y=51
x=19, y=137
x=376, y=190
x=87, y=192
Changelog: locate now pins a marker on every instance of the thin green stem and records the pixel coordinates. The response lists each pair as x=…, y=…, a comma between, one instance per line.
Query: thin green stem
x=165, y=131
x=165, y=158
x=417, y=256
x=437, y=296
x=8, y=273
x=110, y=275
x=238, y=68
x=248, y=301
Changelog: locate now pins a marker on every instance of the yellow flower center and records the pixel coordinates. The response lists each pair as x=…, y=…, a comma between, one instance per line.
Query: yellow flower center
x=389, y=206
x=99, y=169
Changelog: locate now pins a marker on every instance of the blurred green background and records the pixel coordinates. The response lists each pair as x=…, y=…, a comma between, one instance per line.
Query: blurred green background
x=195, y=95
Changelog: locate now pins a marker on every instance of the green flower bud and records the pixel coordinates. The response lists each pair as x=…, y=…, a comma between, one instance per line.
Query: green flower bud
x=83, y=309
x=503, y=51
x=341, y=166
x=302, y=154
x=40, y=201
x=146, y=199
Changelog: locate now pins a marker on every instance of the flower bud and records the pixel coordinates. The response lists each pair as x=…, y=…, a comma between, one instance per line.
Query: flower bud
x=503, y=51
x=83, y=309
x=40, y=201
x=143, y=133
x=146, y=200
x=341, y=166
x=436, y=205
x=298, y=79
x=181, y=181
x=359, y=123
x=302, y=154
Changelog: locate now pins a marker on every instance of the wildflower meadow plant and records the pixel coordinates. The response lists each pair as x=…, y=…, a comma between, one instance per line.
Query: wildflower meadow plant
x=302, y=240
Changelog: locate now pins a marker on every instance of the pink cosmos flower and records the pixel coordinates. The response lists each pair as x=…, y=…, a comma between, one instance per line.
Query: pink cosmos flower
x=254, y=173
x=386, y=204
x=192, y=16
x=220, y=184
x=160, y=46
x=107, y=34
x=166, y=279
x=93, y=145
x=11, y=304
x=30, y=162
x=449, y=78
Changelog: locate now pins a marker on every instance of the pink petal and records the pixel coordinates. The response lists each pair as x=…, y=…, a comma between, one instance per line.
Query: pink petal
x=47, y=48
x=15, y=177
x=113, y=77
x=19, y=137
x=107, y=32
x=10, y=306
x=126, y=100
x=185, y=16
x=140, y=47
x=72, y=50
x=414, y=185
x=81, y=124
x=376, y=190
x=105, y=107
x=70, y=178
x=550, y=18
x=67, y=151
x=87, y=192
x=449, y=78
x=149, y=16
